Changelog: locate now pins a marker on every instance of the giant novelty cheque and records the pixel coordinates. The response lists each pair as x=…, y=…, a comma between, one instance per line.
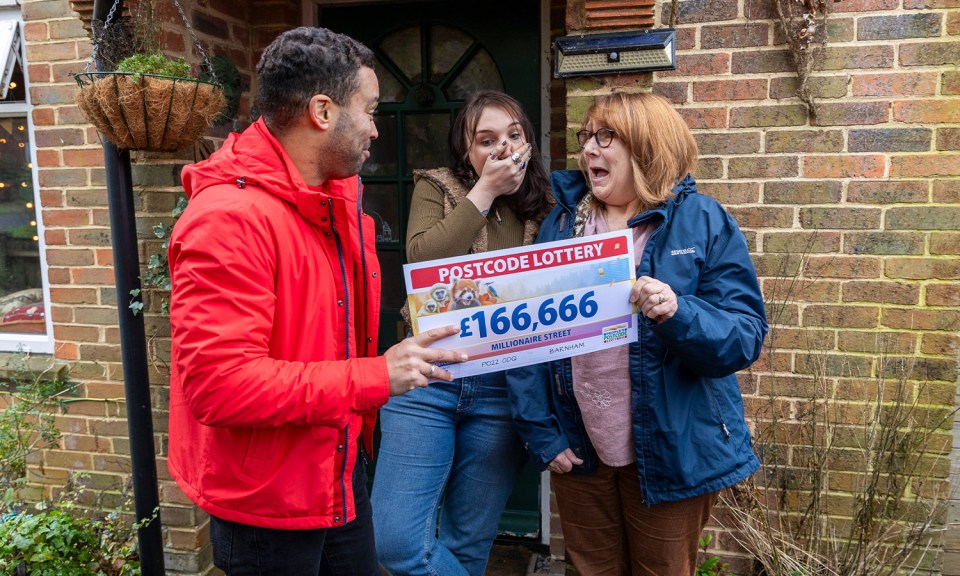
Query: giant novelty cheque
x=527, y=305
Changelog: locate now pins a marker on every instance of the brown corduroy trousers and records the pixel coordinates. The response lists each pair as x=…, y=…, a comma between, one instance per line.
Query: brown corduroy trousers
x=608, y=530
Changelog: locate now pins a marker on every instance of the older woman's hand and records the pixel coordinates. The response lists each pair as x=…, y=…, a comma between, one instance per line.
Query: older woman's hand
x=564, y=462
x=656, y=300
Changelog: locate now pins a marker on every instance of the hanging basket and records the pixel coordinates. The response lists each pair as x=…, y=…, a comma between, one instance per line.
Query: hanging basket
x=148, y=111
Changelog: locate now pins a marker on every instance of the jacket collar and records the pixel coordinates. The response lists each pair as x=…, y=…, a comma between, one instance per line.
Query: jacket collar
x=570, y=186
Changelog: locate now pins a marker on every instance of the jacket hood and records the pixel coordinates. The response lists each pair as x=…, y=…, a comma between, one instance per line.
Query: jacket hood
x=256, y=157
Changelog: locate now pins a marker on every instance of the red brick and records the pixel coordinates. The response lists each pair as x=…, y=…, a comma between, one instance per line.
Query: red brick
x=890, y=140
x=59, y=137
x=729, y=89
x=930, y=4
x=843, y=267
x=763, y=167
x=768, y=115
x=804, y=141
x=874, y=342
x=802, y=192
x=95, y=276
x=940, y=344
x=795, y=339
x=60, y=178
x=951, y=83
x=43, y=117
x=675, y=92
x=731, y=193
x=727, y=143
x=36, y=31
x=851, y=113
x=70, y=257
x=761, y=62
x=846, y=316
x=914, y=319
x=925, y=165
x=863, y=5
x=854, y=57
x=948, y=139
x=896, y=84
x=883, y=292
x=922, y=268
x=704, y=118
x=819, y=242
x=52, y=52
x=83, y=157
x=39, y=73
x=900, y=26
x=832, y=218
x=888, y=191
x=834, y=86
x=48, y=157
x=923, y=218
x=762, y=217
x=848, y=166
x=927, y=111
x=104, y=256
x=929, y=53
x=735, y=36
x=76, y=333
x=61, y=295
x=62, y=217
x=944, y=243
x=699, y=65
x=884, y=242
x=943, y=294
x=66, y=351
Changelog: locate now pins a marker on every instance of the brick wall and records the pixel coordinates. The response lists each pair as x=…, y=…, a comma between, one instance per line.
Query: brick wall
x=869, y=189
x=871, y=185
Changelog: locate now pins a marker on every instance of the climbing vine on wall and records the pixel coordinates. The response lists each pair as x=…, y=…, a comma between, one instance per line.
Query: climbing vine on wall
x=804, y=24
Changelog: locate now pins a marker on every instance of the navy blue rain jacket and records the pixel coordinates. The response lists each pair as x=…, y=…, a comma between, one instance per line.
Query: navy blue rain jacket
x=689, y=431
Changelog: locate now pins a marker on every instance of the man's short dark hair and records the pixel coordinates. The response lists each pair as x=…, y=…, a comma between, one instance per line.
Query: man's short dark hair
x=302, y=63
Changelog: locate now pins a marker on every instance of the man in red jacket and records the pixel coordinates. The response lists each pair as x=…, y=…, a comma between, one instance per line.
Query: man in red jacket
x=276, y=295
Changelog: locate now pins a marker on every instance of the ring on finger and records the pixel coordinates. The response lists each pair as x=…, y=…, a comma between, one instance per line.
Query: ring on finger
x=515, y=157
x=660, y=298
x=432, y=369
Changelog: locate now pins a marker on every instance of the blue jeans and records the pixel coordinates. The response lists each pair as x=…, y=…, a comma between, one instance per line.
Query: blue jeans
x=455, y=442
x=243, y=550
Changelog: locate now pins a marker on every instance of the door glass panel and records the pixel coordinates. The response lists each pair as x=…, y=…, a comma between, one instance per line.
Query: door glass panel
x=391, y=90
x=383, y=150
x=391, y=267
x=447, y=45
x=22, y=308
x=380, y=203
x=426, y=140
x=480, y=74
x=403, y=47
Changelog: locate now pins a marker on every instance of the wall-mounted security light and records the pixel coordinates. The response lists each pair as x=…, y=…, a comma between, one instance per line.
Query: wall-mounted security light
x=613, y=53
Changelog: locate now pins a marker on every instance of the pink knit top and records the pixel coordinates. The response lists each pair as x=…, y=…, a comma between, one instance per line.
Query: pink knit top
x=601, y=380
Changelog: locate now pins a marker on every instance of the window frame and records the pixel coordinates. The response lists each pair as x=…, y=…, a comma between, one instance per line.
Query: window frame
x=12, y=341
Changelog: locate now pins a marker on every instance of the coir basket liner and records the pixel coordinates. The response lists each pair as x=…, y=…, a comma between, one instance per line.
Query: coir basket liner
x=148, y=111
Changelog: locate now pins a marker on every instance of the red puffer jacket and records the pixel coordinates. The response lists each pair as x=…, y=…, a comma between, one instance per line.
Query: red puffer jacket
x=274, y=312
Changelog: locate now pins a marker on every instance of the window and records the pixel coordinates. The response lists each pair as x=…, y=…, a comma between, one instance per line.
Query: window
x=23, y=292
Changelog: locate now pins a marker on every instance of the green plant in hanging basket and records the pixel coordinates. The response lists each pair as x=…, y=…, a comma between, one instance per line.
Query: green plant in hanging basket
x=154, y=64
x=150, y=102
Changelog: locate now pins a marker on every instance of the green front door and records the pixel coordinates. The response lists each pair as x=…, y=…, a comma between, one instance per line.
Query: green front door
x=430, y=57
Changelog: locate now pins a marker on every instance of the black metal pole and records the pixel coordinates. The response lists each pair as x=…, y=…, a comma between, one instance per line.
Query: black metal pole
x=133, y=342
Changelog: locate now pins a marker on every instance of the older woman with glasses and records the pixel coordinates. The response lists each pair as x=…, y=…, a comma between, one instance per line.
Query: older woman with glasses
x=641, y=438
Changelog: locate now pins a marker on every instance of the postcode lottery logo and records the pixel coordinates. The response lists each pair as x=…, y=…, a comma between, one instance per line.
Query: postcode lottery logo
x=614, y=333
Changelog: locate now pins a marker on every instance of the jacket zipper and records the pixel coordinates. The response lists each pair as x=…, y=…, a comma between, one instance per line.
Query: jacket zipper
x=363, y=252
x=343, y=471
x=716, y=410
x=346, y=286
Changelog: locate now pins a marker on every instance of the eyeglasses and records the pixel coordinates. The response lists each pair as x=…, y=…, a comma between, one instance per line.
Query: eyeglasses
x=603, y=136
